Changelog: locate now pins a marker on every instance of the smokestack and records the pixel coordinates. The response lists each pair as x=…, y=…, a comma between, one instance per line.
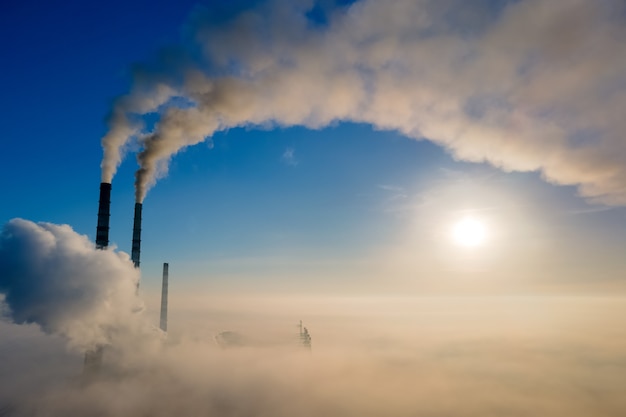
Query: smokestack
x=93, y=358
x=164, y=297
x=136, y=248
x=104, y=213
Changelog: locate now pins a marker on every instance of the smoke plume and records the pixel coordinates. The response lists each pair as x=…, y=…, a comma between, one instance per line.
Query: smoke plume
x=531, y=85
x=124, y=123
x=55, y=278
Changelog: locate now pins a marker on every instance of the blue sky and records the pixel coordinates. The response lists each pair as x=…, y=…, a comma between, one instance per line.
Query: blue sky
x=275, y=205
x=437, y=189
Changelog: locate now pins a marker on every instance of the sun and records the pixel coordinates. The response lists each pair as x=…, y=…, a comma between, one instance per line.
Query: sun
x=469, y=232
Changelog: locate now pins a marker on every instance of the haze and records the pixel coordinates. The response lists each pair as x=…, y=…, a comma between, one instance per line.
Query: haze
x=434, y=189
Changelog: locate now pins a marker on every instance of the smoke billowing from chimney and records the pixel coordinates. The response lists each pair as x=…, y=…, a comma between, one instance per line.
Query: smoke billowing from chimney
x=535, y=85
x=124, y=124
x=120, y=130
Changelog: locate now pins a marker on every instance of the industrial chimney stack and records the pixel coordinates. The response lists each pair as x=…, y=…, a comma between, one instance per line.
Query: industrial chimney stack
x=164, y=290
x=93, y=358
x=104, y=213
x=136, y=248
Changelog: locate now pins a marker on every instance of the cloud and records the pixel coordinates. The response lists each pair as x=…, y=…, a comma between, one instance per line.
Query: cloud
x=33, y=362
x=371, y=356
x=532, y=85
x=289, y=157
x=55, y=278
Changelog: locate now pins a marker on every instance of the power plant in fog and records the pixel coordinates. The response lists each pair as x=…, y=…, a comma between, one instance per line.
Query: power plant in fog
x=93, y=358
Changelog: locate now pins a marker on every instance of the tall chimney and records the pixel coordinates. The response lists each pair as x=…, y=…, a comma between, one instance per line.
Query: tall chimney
x=104, y=213
x=93, y=358
x=136, y=248
x=164, y=297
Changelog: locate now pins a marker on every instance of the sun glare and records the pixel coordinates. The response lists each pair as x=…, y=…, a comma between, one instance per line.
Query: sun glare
x=469, y=232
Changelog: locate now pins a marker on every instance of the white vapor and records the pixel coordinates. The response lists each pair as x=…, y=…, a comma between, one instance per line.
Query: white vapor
x=530, y=85
x=55, y=278
x=123, y=125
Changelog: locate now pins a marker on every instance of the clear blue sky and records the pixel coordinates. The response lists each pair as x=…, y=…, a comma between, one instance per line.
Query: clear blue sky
x=261, y=204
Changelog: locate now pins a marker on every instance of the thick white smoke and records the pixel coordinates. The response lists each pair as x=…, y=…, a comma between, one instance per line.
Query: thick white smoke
x=124, y=124
x=523, y=85
x=51, y=276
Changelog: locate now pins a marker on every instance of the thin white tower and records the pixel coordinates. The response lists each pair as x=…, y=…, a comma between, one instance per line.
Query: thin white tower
x=164, y=289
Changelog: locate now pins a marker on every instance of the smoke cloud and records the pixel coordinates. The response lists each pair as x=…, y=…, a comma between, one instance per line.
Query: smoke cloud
x=124, y=123
x=55, y=278
x=531, y=85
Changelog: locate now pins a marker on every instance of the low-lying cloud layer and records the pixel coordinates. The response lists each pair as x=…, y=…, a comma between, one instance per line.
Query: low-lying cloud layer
x=499, y=356
x=524, y=85
x=393, y=357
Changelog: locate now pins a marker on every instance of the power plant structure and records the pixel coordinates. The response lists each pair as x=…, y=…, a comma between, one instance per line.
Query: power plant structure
x=104, y=215
x=136, y=247
x=93, y=358
x=164, y=290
